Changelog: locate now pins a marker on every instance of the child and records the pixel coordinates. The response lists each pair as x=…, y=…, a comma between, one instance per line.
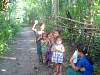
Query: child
x=44, y=46
x=57, y=57
x=55, y=34
x=39, y=33
x=40, y=30
x=84, y=65
x=50, y=44
x=33, y=28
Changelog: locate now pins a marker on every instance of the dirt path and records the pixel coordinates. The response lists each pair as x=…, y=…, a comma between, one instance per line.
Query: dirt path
x=22, y=58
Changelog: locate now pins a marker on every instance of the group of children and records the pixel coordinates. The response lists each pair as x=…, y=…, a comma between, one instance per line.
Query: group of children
x=50, y=49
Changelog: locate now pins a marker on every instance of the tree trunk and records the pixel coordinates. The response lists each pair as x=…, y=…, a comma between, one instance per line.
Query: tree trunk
x=55, y=10
x=90, y=3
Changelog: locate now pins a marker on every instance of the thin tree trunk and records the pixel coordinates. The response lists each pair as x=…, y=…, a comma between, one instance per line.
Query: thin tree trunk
x=90, y=3
x=55, y=9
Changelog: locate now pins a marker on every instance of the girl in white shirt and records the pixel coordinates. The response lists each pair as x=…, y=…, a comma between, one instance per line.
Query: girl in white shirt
x=57, y=56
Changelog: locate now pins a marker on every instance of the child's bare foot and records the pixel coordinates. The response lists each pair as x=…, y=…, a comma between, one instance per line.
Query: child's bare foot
x=55, y=73
x=60, y=73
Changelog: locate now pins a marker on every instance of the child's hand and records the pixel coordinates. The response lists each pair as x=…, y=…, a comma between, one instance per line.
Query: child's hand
x=33, y=29
x=58, y=50
x=71, y=60
x=82, y=69
x=36, y=21
x=54, y=50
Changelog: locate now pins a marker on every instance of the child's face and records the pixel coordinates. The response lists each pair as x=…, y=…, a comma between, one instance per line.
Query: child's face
x=42, y=26
x=50, y=36
x=44, y=36
x=59, y=41
x=56, y=34
x=80, y=53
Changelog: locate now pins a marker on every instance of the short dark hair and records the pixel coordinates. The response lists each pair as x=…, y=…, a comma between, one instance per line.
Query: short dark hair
x=41, y=23
x=82, y=48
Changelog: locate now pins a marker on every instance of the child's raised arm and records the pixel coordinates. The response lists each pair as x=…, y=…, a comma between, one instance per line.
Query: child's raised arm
x=33, y=28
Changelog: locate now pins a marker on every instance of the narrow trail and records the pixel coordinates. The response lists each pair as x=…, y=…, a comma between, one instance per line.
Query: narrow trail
x=26, y=62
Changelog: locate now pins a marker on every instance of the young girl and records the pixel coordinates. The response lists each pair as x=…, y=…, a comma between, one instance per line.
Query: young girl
x=57, y=57
x=44, y=47
x=55, y=34
x=50, y=44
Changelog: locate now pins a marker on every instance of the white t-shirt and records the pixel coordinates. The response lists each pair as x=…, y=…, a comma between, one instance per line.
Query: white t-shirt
x=40, y=32
x=75, y=56
x=59, y=47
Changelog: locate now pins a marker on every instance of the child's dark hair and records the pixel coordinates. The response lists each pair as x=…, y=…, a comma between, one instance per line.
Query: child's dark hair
x=41, y=23
x=56, y=31
x=84, y=49
x=44, y=34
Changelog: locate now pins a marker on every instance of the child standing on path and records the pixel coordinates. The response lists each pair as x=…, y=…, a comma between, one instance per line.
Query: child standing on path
x=58, y=53
x=50, y=44
x=39, y=33
x=44, y=46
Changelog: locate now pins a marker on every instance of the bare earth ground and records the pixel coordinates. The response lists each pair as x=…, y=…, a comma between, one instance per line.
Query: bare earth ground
x=26, y=62
x=22, y=58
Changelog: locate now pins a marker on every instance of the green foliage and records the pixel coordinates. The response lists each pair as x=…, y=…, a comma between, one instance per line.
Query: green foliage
x=49, y=27
x=8, y=28
x=36, y=9
x=82, y=11
x=96, y=48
